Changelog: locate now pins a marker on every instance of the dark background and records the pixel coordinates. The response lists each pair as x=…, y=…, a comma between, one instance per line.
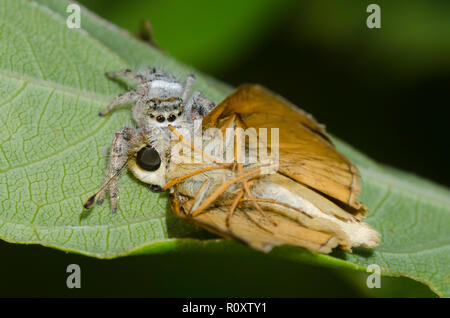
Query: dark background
x=384, y=91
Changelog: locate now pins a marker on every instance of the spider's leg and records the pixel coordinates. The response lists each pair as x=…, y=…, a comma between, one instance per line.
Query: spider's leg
x=125, y=98
x=188, y=84
x=198, y=106
x=145, y=33
x=123, y=140
x=127, y=73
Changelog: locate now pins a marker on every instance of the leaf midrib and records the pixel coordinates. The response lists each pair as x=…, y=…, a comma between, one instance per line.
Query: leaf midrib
x=69, y=90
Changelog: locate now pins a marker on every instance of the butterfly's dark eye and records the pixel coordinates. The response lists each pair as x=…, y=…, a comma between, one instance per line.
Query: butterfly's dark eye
x=148, y=159
x=172, y=118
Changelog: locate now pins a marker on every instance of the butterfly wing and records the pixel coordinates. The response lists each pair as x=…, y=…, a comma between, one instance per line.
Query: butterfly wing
x=322, y=183
x=286, y=231
x=314, y=223
x=306, y=153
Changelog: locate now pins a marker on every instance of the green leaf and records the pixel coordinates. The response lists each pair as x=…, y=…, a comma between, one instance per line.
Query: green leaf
x=53, y=151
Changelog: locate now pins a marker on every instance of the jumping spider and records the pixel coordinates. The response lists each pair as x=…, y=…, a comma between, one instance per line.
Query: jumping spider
x=159, y=100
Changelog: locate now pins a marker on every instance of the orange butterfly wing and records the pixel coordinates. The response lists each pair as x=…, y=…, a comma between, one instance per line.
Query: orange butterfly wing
x=306, y=153
x=286, y=232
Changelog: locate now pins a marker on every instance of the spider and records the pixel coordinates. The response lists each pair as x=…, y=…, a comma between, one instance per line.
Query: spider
x=159, y=100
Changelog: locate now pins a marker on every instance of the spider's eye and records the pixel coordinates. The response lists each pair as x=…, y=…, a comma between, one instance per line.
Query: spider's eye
x=148, y=159
x=172, y=117
x=160, y=118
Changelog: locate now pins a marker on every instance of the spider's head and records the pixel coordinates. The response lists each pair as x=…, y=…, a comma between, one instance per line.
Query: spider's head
x=161, y=112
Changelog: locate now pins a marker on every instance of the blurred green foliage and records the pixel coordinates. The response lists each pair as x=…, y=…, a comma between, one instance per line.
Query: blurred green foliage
x=212, y=35
x=414, y=37
x=192, y=274
x=205, y=34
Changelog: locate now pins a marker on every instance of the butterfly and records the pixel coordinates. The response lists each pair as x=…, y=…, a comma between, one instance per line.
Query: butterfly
x=305, y=193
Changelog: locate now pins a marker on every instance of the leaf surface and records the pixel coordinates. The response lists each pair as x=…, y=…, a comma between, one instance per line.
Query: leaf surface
x=53, y=153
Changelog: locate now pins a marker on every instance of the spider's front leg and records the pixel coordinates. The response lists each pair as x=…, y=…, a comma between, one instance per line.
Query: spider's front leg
x=198, y=106
x=124, y=139
x=187, y=87
x=125, y=98
x=127, y=73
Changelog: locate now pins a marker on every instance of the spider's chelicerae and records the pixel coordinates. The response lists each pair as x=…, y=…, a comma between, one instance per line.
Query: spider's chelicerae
x=159, y=100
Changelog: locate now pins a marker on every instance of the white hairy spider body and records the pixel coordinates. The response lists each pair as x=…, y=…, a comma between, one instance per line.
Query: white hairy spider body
x=158, y=100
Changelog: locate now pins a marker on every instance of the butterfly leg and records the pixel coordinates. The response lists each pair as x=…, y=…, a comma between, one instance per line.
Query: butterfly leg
x=222, y=188
x=246, y=189
x=233, y=207
x=245, y=185
x=204, y=193
x=201, y=194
